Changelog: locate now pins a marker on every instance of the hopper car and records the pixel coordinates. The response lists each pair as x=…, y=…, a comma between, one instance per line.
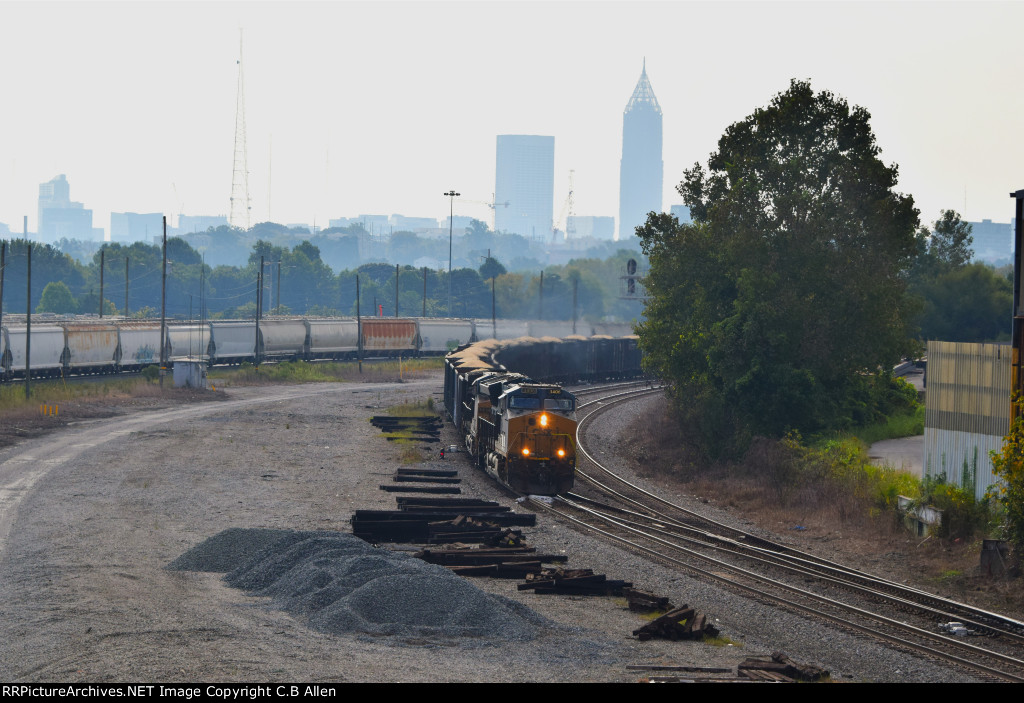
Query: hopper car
x=62, y=347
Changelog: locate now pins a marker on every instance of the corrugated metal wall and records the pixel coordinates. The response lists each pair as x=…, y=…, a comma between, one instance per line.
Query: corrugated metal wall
x=967, y=410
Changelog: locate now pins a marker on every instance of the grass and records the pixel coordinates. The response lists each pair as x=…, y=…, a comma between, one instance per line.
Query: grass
x=907, y=424
x=422, y=408
x=323, y=372
x=721, y=641
x=54, y=392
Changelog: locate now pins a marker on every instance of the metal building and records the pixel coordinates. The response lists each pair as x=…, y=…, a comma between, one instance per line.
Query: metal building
x=967, y=411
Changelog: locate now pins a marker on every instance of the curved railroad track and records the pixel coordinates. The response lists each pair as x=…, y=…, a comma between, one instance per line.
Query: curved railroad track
x=642, y=521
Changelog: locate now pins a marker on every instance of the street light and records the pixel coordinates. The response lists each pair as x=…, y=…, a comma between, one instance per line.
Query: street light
x=451, y=220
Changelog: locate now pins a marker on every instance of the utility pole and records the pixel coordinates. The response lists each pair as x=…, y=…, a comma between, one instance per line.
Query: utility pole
x=494, y=317
x=163, y=309
x=424, y=291
x=278, y=307
x=28, y=318
x=396, y=291
x=451, y=223
x=3, y=267
x=540, y=309
x=575, y=285
x=126, y=287
x=359, y=328
x=259, y=307
x=102, y=259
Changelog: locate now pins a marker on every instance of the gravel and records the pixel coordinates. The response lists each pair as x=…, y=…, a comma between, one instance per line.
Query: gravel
x=341, y=584
x=86, y=595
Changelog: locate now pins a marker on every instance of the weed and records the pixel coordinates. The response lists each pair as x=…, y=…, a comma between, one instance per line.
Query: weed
x=323, y=372
x=722, y=641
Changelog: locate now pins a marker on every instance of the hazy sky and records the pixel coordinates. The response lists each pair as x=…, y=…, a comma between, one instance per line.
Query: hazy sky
x=381, y=107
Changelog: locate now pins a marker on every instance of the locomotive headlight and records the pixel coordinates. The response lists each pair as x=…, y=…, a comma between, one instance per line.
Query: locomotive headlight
x=543, y=420
x=526, y=452
x=561, y=452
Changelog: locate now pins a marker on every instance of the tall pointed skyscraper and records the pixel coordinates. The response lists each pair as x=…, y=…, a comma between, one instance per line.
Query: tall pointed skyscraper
x=642, y=170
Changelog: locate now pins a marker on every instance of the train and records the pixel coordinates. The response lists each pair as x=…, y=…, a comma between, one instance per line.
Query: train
x=66, y=346
x=518, y=427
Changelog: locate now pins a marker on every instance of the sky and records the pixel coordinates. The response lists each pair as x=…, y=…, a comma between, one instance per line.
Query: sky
x=378, y=108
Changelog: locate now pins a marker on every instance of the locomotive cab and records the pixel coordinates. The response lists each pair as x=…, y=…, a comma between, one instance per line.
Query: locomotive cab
x=535, y=451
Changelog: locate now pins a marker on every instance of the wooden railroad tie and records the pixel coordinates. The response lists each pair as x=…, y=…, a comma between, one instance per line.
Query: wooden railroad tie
x=580, y=582
x=779, y=667
x=421, y=489
x=405, y=478
x=644, y=602
x=682, y=623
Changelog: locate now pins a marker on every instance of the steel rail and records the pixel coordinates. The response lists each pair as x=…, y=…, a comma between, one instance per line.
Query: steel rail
x=771, y=559
x=772, y=547
x=1007, y=676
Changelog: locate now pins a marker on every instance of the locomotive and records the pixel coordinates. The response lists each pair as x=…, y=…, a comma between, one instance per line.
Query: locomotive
x=521, y=430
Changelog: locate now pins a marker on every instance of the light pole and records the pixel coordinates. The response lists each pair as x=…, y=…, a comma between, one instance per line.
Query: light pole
x=451, y=222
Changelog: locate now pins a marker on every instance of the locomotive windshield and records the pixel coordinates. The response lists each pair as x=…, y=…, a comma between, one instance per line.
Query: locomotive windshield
x=520, y=403
x=557, y=404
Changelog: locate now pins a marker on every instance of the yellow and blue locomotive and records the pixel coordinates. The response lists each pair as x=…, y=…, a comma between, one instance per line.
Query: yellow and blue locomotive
x=524, y=434
x=520, y=432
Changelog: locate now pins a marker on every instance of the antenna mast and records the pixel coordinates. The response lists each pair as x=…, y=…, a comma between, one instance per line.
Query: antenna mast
x=240, y=206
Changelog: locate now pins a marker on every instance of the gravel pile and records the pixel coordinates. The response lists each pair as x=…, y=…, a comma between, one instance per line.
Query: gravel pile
x=340, y=584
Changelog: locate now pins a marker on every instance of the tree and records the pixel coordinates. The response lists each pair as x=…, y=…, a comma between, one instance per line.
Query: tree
x=970, y=303
x=769, y=310
x=491, y=268
x=57, y=298
x=1008, y=467
x=951, y=240
x=947, y=246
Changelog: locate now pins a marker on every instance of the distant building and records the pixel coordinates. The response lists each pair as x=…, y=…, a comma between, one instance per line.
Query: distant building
x=190, y=224
x=642, y=169
x=412, y=224
x=133, y=227
x=374, y=224
x=59, y=217
x=457, y=222
x=525, y=178
x=993, y=241
x=597, y=227
x=682, y=214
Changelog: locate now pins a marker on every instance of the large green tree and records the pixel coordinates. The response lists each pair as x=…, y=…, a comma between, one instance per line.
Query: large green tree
x=771, y=310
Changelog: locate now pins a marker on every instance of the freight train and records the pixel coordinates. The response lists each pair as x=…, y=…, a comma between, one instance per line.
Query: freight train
x=519, y=428
x=61, y=347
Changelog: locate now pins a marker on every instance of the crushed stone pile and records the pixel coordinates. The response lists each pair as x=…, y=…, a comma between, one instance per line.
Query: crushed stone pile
x=340, y=584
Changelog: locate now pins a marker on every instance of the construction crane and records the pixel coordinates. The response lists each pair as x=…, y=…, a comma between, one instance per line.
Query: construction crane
x=568, y=215
x=493, y=205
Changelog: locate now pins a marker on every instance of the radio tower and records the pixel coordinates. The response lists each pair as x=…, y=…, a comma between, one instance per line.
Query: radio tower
x=240, y=206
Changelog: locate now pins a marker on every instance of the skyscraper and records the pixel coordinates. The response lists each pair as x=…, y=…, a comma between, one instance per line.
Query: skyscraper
x=59, y=217
x=526, y=180
x=642, y=170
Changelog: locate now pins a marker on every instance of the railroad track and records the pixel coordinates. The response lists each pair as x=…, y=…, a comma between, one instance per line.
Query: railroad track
x=630, y=515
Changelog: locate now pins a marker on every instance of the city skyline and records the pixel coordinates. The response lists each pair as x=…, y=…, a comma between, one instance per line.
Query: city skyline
x=379, y=108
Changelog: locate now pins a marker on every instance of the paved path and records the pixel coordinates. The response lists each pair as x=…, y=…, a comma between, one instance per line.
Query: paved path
x=906, y=453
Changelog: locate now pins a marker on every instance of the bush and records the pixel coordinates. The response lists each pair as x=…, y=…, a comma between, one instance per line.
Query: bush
x=151, y=373
x=962, y=515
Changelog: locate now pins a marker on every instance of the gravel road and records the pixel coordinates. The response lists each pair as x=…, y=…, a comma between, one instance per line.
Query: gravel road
x=91, y=516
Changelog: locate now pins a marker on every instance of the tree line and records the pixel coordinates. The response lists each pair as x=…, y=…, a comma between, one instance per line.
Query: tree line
x=297, y=281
